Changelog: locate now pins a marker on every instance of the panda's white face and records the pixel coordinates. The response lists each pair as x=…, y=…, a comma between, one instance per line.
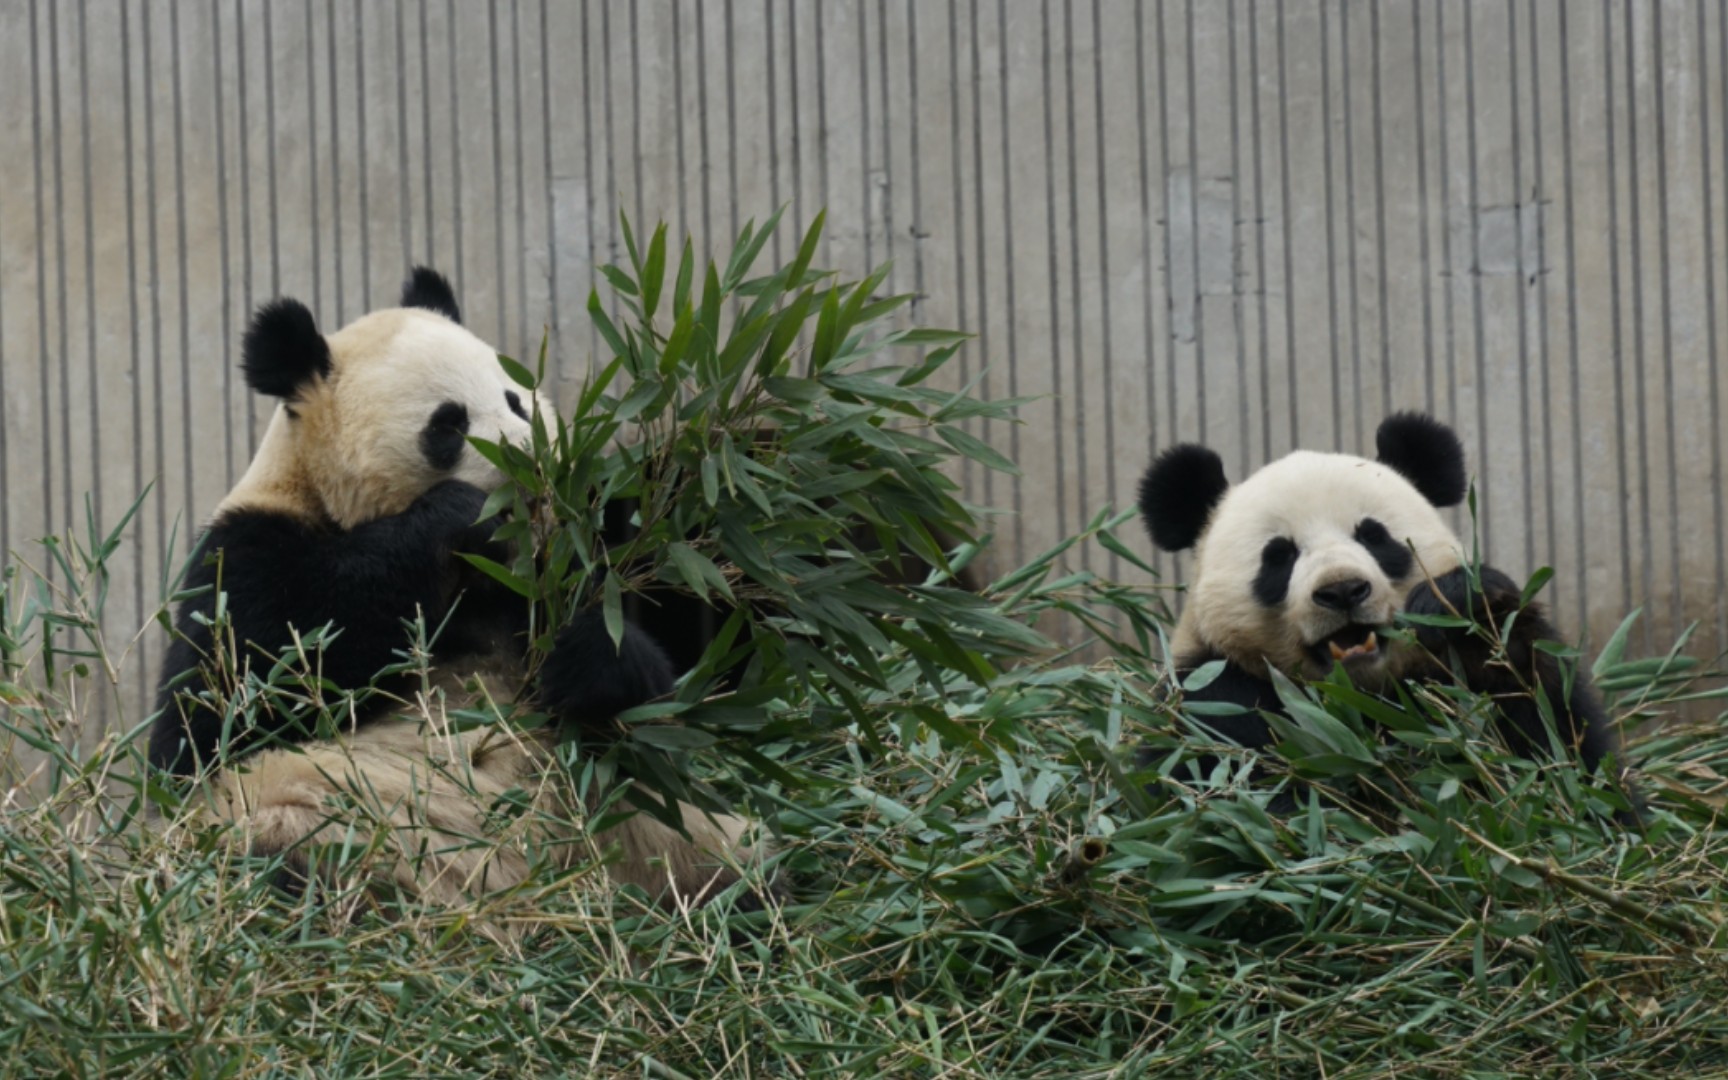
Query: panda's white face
x=406, y=389
x=1306, y=563
x=385, y=419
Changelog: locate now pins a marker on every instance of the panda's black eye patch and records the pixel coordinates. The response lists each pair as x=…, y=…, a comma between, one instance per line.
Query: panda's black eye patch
x=514, y=400
x=1277, y=560
x=443, y=437
x=1394, y=558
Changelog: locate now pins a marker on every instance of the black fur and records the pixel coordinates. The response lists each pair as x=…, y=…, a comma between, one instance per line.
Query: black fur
x=1427, y=453
x=587, y=680
x=279, y=573
x=282, y=350
x=1277, y=561
x=1234, y=686
x=1394, y=558
x=1580, y=719
x=445, y=435
x=1178, y=492
x=427, y=288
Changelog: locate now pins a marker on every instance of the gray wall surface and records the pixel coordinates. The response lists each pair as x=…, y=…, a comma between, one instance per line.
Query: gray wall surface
x=1258, y=223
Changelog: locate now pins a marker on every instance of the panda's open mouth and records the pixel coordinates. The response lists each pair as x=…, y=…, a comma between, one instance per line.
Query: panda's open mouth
x=1354, y=643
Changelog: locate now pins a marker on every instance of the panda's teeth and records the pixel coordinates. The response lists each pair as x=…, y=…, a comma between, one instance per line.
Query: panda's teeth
x=1368, y=647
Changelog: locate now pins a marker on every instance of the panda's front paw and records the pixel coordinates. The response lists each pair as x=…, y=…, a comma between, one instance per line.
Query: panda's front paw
x=587, y=680
x=1491, y=597
x=453, y=503
x=450, y=512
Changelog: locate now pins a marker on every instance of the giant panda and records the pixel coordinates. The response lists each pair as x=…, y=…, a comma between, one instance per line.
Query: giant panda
x=352, y=513
x=1308, y=564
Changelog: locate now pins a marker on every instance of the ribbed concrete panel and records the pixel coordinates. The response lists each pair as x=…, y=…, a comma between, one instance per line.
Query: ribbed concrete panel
x=1257, y=223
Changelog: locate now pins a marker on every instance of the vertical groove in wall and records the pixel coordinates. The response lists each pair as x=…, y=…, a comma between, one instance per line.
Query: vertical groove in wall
x=1671, y=467
x=1376, y=93
x=1719, y=522
x=915, y=227
x=556, y=343
x=1539, y=282
x=62, y=416
x=1479, y=343
x=134, y=370
x=43, y=364
x=1106, y=361
x=227, y=297
x=1308, y=213
x=189, y=511
x=1012, y=312
x=1581, y=581
x=1076, y=312
x=93, y=407
x=1640, y=404
x=1352, y=267
x=6, y=533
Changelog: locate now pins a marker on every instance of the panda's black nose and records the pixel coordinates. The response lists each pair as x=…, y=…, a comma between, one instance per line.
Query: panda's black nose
x=1342, y=595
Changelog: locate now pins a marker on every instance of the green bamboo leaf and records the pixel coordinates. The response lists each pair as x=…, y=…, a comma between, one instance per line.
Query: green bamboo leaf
x=749, y=247
x=604, y=325
x=1616, y=645
x=630, y=242
x=976, y=449
x=612, y=610
x=806, y=250
x=677, y=342
x=697, y=571
x=665, y=737
x=619, y=280
x=681, y=285
x=708, y=318
x=1537, y=580
x=827, y=332
x=518, y=374
x=785, y=329
x=653, y=273
x=500, y=574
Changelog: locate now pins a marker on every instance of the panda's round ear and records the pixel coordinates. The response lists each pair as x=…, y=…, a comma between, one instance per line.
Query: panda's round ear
x=427, y=288
x=283, y=350
x=1425, y=452
x=1178, y=492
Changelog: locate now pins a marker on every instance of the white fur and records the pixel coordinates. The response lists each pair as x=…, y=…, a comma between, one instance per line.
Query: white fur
x=1316, y=500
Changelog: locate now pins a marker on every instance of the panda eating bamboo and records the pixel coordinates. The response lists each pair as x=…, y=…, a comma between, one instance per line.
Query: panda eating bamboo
x=1309, y=562
x=352, y=514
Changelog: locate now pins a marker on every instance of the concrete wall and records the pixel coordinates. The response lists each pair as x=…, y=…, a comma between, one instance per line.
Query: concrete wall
x=1260, y=224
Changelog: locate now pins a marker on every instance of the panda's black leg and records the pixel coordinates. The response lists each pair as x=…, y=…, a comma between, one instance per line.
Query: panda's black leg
x=588, y=680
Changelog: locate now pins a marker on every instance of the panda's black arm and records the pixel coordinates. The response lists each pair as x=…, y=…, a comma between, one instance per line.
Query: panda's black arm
x=1235, y=685
x=587, y=681
x=1525, y=670
x=280, y=572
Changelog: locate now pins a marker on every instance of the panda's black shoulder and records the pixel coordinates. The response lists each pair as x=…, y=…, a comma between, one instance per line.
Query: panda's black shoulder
x=245, y=543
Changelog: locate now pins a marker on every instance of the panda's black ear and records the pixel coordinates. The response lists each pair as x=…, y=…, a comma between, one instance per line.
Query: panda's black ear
x=283, y=350
x=427, y=288
x=1427, y=453
x=1178, y=492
